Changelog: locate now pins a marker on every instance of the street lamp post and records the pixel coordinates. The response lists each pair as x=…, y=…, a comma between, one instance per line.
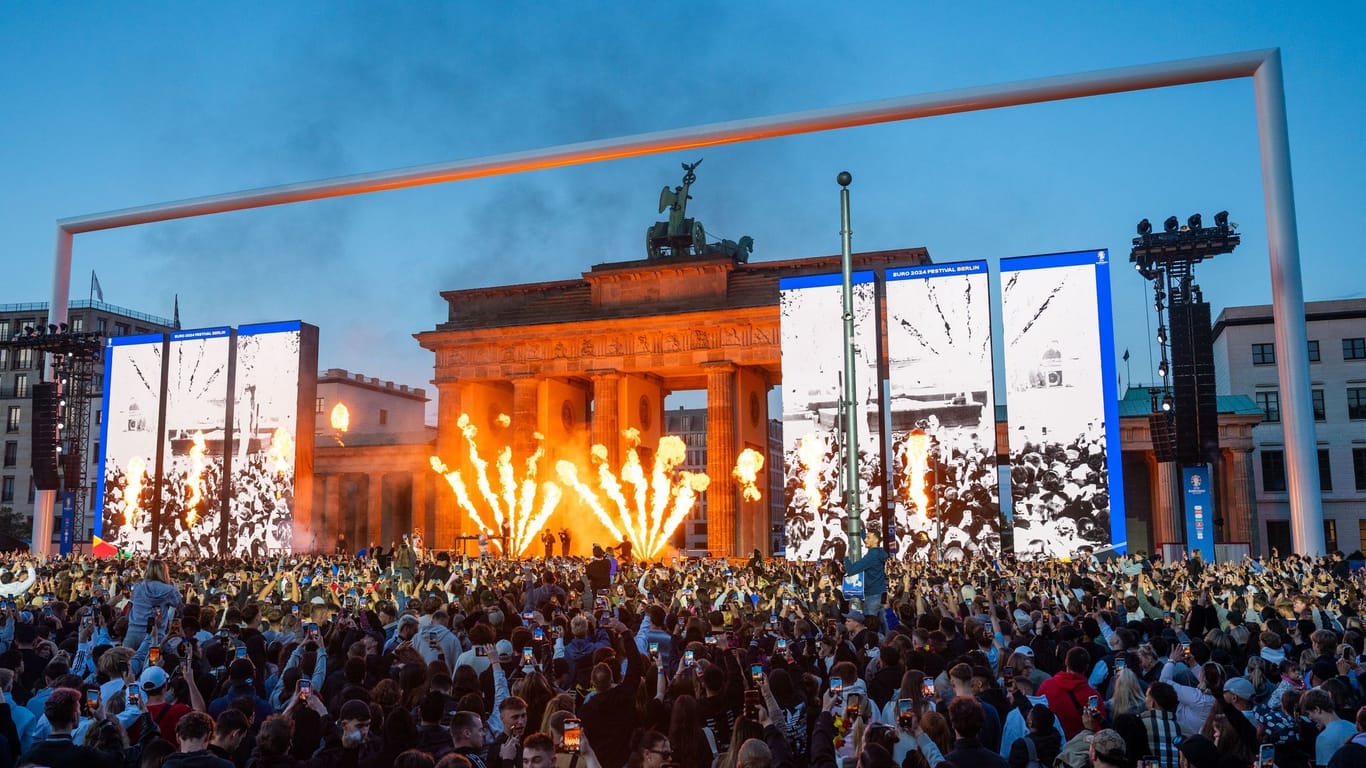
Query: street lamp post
x=853, y=524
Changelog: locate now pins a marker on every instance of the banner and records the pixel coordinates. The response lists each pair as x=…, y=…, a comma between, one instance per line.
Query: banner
x=813, y=369
x=1066, y=478
x=128, y=440
x=68, y=522
x=943, y=417
x=191, y=515
x=1199, y=501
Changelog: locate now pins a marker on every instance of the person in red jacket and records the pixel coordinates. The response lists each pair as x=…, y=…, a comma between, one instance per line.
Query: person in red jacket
x=1068, y=691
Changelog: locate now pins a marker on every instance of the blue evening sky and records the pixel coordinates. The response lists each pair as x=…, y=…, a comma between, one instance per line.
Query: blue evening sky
x=109, y=106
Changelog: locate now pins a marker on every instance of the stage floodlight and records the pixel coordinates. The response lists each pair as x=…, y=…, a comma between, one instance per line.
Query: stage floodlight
x=1221, y=219
x=64, y=327
x=1162, y=369
x=1161, y=334
x=1166, y=402
x=1171, y=224
x=1145, y=227
x=1194, y=221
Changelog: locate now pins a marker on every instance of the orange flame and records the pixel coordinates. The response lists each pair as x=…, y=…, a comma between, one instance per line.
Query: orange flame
x=137, y=467
x=747, y=467
x=810, y=453
x=341, y=417
x=281, y=452
x=523, y=518
x=195, y=479
x=915, y=457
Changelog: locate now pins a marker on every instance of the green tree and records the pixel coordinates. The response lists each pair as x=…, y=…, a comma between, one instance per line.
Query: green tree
x=13, y=524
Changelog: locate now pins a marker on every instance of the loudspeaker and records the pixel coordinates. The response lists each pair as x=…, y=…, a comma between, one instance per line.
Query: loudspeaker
x=72, y=477
x=43, y=448
x=1197, y=410
x=1164, y=436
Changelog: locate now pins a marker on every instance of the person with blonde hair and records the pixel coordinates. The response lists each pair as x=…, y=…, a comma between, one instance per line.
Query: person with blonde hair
x=155, y=600
x=1127, y=694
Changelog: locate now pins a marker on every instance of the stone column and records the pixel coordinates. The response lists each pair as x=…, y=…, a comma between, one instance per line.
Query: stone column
x=1166, y=517
x=606, y=426
x=374, y=509
x=525, y=416
x=1237, y=505
x=331, y=510
x=450, y=447
x=721, y=502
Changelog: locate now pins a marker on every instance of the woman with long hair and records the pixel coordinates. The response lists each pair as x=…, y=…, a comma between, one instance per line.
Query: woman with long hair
x=535, y=689
x=155, y=599
x=273, y=743
x=692, y=748
x=787, y=705
x=743, y=730
x=1128, y=694
x=563, y=702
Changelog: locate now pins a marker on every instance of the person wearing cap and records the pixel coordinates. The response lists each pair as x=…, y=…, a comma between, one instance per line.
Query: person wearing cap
x=166, y=715
x=1241, y=694
x=350, y=742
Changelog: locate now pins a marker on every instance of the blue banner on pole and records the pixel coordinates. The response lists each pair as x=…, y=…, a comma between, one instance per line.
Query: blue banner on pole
x=68, y=521
x=1199, y=499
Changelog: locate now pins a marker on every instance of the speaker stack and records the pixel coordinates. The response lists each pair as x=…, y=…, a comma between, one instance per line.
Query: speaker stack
x=44, y=437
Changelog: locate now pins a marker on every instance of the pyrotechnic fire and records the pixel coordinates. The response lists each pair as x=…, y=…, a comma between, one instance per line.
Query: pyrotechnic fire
x=659, y=501
x=747, y=467
x=281, y=452
x=341, y=417
x=195, y=480
x=915, y=458
x=137, y=467
x=519, y=512
x=810, y=453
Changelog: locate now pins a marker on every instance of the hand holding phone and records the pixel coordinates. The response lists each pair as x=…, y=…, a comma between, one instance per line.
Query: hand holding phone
x=573, y=731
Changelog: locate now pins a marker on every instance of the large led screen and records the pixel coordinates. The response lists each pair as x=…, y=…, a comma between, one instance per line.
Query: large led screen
x=128, y=440
x=813, y=370
x=190, y=515
x=272, y=362
x=942, y=414
x=1066, y=485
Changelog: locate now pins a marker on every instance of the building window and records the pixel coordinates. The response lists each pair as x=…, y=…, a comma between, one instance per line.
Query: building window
x=1325, y=471
x=1263, y=354
x=1270, y=403
x=1356, y=403
x=95, y=453
x=318, y=405
x=1313, y=350
x=23, y=359
x=7, y=490
x=11, y=453
x=1359, y=468
x=120, y=329
x=1330, y=535
x=1273, y=471
x=1320, y=410
x=12, y=420
x=33, y=491
x=100, y=325
x=4, y=358
x=4, y=330
x=21, y=385
x=78, y=324
x=383, y=417
x=99, y=417
x=1354, y=349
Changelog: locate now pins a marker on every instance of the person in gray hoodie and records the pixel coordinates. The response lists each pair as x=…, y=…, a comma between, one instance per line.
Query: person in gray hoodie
x=155, y=599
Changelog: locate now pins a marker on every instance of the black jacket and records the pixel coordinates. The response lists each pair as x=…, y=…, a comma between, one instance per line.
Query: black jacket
x=969, y=753
x=60, y=752
x=1047, y=745
x=201, y=759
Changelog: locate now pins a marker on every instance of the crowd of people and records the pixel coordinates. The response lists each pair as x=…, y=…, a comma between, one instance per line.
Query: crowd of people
x=420, y=659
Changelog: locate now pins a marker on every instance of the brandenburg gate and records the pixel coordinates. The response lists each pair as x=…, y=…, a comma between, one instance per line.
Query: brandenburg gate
x=581, y=361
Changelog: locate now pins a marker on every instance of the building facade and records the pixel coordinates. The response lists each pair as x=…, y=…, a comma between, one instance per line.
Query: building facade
x=21, y=369
x=372, y=407
x=1246, y=363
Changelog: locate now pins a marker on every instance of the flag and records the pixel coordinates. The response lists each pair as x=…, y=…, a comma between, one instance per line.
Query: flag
x=176, y=319
x=95, y=288
x=1126, y=355
x=101, y=548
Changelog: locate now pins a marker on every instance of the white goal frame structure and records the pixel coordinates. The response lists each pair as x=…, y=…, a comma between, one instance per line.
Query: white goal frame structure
x=1263, y=66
